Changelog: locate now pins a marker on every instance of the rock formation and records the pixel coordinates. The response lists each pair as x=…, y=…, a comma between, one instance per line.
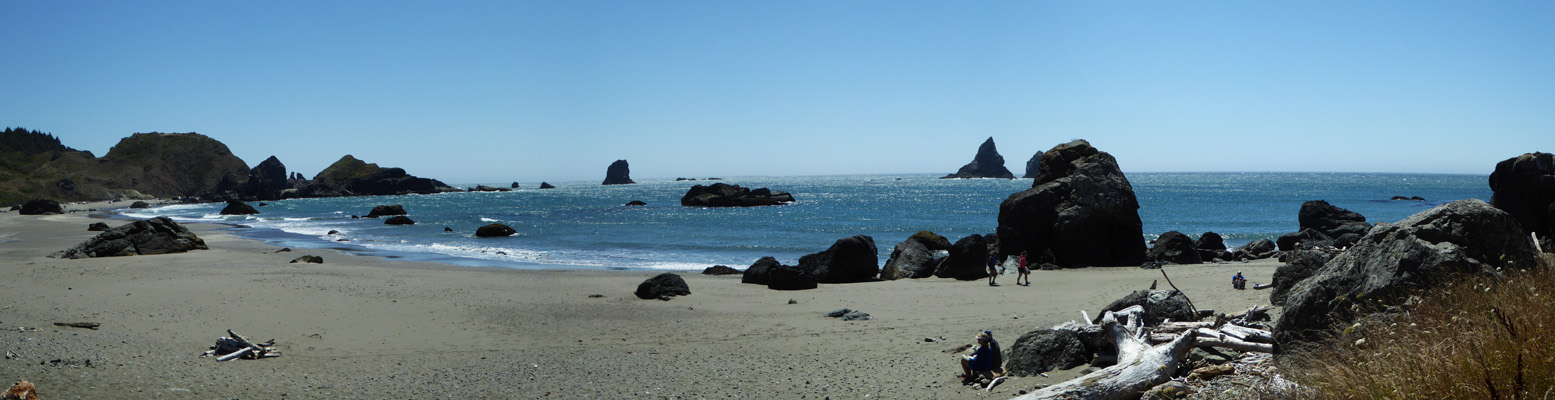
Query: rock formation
x=98, y=227
x=916, y=257
x=1159, y=305
x=267, y=181
x=619, y=173
x=1256, y=250
x=1044, y=350
x=986, y=164
x=1033, y=166
x=386, y=210
x=495, y=230
x=851, y=259
x=235, y=207
x=1176, y=248
x=1343, y=225
x=720, y=270
x=546, y=185
x=1394, y=260
x=726, y=195
x=41, y=207
x=158, y=235
x=968, y=260
x=352, y=177
x=1080, y=207
x=760, y=271
x=399, y=220
x=663, y=287
x=1524, y=186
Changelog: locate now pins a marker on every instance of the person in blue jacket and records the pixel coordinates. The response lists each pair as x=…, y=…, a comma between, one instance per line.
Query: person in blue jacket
x=979, y=363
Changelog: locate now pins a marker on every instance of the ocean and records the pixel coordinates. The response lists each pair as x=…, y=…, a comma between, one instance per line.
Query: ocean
x=587, y=225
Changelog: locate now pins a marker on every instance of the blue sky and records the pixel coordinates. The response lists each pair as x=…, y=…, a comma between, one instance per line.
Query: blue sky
x=507, y=91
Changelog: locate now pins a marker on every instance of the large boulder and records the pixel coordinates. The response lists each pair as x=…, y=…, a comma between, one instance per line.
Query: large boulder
x=1524, y=186
x=1308, y=238
x=1212, y=247
x=848, y=260
x=968, y=260
x=1396, y=260
x=386, y=210
x=910, y=259
x=986, y=164
x=235, y=207
x=1080, y=206
x=663, y=287
x=1255, y=250
x=1175, y=247
x=98, y=227
x=1044, y=350
x=788, y=277
x=931, y=240
x=140, y=204
x=760, y=271
x=726, y=195
x=619, y=173
x=1159, y=305
x=41, y=207
x=1299, y=265
x=158, y=235
x=1343, y=225
x=495, y=230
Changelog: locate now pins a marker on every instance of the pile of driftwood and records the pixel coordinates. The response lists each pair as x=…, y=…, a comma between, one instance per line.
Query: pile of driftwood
x=1151, y=356
x=237, y=346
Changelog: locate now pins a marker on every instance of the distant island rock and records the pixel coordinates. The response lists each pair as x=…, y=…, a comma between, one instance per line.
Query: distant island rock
x=546, y=185
x=619, y=173
x=987, y=164
x=235, y=207
x=386, y=210
x=495, y=230
x=726, y=195
x=352, y=177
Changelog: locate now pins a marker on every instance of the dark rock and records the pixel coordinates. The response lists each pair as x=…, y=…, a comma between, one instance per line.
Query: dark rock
x=986, y=164
x=1033, y=166
x=484, y=188
x=785, y=277
x=333, y=232
x=97, y=227
x=1414, y=198
x=1044, y=350
x=1308, y=238
x=140, y=204
x=619, y=173
x=235, y=207
x=544, y=185
x=1175, y=247
x=848, y=260
x=931, y=240
x=264, y=204
x=635, y=203
x=855, y=315
x=662, y=287
x=381, y=211
x=726, y=195
x=1257, y=249
x=352, y=177
x=1332, y=221
x=158, y=235
x=65, y=184
x=284, y=250
x=968, y=260
x=1524, y=186
x=760, y=271
x=1080, y=206
x=309, y=259
x=910, y=259
x=445, y=229
x=1046, y=262
x=720, y=270
x=41, y=207
x=684, y=179
x=1396, y=260
x=399, y=220
x=515, y=185
x=267, y=180
x=1159, y=305
x=1210, y=241
x=1298, y=266
x=495, y=230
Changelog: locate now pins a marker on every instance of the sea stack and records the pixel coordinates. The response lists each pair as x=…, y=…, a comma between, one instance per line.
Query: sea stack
x=1524, y=186
x=1080, y=207
x=987, y=164
x=619, y=173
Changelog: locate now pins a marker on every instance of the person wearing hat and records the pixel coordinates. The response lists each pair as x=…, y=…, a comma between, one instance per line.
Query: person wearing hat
x=979, y=361
x=1238, y=282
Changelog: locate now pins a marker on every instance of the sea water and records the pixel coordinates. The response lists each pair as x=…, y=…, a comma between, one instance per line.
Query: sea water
x=588, y=225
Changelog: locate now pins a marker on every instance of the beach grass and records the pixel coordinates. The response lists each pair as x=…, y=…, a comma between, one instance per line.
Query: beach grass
x=1480, y=338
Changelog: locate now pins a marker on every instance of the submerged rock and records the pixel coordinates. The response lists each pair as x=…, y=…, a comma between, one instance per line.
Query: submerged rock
x=399, y=220
x=380, y=211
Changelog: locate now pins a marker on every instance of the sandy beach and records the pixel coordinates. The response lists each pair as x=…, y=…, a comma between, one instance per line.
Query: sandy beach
x=358, y=327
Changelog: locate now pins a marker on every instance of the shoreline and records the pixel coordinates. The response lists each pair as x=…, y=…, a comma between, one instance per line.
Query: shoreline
x=369, y=327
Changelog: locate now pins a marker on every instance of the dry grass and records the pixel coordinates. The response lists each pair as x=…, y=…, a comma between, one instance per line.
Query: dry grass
x=1481, y=338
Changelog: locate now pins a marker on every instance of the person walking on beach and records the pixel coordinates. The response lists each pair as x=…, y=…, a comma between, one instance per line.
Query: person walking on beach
x=1022, y=271
x=993, y=270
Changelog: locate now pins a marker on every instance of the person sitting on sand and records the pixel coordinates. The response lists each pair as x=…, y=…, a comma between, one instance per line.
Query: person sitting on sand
x=979, y=361
x=1021, y=271
x=993, y=271
x=1238, y=282
x=998, y=354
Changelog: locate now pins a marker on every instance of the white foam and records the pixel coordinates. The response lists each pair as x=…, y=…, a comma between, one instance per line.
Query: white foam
x=484, y=219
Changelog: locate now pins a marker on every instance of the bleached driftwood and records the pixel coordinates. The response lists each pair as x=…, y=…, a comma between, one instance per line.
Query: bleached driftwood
x=1140, y=366
x=1234, y=344
x=235, y=346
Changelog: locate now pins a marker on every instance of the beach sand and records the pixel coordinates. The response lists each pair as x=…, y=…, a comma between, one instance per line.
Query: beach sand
x=360, y=327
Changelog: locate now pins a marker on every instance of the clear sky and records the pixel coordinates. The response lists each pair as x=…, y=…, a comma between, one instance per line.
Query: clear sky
x=503, y=91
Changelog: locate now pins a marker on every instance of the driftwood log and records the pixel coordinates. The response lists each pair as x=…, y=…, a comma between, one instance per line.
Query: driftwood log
x=237, y=346
x=1140, y=366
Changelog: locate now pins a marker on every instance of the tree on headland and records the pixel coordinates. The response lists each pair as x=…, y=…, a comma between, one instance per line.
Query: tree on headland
x=29, y=141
